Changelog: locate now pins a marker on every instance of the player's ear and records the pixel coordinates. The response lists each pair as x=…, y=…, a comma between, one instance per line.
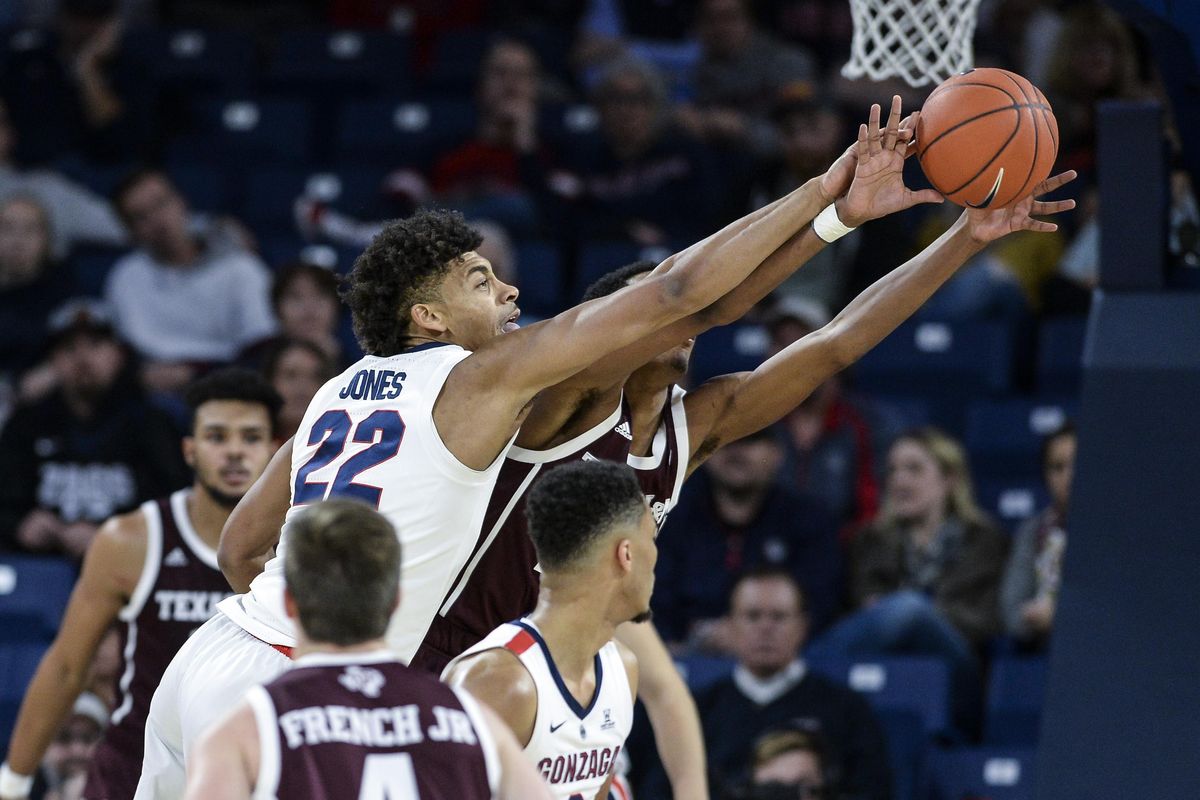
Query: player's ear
x=625, y=555
x=289, y=604
x=429, y=317
x=188, y=445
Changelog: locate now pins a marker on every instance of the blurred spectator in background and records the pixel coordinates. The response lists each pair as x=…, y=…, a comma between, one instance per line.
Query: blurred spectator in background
x=1093, y=60
x=71, y=91
x=76, y=214
x=736, y=515
x=31, y=286
x=1029, y=594
x=1019, y=35
x=656, y=32
x=925, y=576
x=93, y=448
x=296, y=368
x=831, y=439
x=742, y=72
x=812, y=135
x=65, y=766
x=306, y=303
x=182, y=301
x=789, y=764
x=771, y=686
x=107, y=666
x=643, y=181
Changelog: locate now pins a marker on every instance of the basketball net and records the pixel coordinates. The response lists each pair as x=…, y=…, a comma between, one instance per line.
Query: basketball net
x=922, y=41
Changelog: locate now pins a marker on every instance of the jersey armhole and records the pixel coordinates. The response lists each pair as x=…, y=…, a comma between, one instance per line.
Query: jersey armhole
x=266, y=787
x=682, y=443
x=150, y=567
x=491, y=756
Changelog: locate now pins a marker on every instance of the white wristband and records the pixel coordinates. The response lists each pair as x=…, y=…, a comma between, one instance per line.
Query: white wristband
x=13, y=784
x=828, y=226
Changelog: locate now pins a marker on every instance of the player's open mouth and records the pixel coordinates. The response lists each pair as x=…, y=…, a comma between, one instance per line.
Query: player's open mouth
x=510, y=324
x=235, y=475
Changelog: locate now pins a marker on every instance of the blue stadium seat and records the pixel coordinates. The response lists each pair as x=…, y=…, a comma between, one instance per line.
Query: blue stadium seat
x=457, y=56
x=598, y=258
x=18, y=662
x=270, y=193
x=195, y=59
x=1007, y=435
x=906, y=741
x=33, y=596
x=247, y=129
x=701, y=671
x=945, y=363
x=569, y=128
x=341, y=60
x=540, y=279
x=401, y=132
x=739, y=347
x=991, y=773
x=1060, y=355
x=204, y=189
x=1016, y=692
x=897, y=684
x=1012, y=501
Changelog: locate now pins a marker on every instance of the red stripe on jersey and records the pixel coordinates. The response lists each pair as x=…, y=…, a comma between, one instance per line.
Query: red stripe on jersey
x=520, y=643
x=283, y=648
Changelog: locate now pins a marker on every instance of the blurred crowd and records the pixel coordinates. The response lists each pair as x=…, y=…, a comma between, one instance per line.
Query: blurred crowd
x=162, y=214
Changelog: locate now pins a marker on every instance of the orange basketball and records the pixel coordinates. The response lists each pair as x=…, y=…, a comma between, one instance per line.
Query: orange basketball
x=986, y=138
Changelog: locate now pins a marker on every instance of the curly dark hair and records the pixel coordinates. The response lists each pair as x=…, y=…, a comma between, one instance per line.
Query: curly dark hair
x=403, y=265
x=234, y=383
x=615, y=281
x=574, y=505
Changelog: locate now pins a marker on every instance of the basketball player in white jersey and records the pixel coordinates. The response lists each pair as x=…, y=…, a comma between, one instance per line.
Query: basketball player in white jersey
x=557, y=677
x=350, y=720
x=154, y=573
x=418, y=427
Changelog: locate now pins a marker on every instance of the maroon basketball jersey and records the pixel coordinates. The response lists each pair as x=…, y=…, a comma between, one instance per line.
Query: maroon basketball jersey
x=364, y=725
x=661, y=473
x=499, y=582
x=178, y=591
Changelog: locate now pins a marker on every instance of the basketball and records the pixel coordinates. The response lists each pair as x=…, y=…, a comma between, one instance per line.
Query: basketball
x=986, y=138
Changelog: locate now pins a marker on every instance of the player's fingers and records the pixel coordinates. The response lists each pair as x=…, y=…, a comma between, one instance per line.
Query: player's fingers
x=1054, y=182
x=1039, y=226
x=862, y=142
x=926, y=196
x=873, y=130
x=1042, y=208
x=893, y=125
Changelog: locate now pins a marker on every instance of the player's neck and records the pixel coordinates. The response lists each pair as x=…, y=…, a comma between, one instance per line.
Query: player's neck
x=307, y=647
x=574, y=624
x=208, y=517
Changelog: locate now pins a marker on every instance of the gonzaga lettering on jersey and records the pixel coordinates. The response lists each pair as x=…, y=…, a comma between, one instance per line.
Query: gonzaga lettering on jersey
x=363, y=725
x=178, y=590
x=573, y=747
x=369, y=434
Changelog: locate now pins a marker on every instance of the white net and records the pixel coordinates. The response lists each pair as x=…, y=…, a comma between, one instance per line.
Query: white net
x=922, y=41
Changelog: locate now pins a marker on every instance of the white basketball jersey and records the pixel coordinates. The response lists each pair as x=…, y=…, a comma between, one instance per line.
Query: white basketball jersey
x=368, y=434
x=573, y=748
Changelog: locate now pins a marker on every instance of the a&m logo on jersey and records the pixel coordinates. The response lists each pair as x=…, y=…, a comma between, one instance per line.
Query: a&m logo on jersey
x=365, y=680
x=658, y=509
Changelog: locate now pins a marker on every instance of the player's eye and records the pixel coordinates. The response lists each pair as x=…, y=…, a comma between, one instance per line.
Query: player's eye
x=482, y=284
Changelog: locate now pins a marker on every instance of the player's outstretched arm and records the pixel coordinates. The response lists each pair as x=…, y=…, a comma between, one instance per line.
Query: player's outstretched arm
x=250, y=534
x=518, y=778
x=671, y=709
x=224, y=763
x=111, y=570
x=733, y=406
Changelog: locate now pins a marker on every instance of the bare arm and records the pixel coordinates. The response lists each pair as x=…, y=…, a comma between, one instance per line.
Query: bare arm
x=518, y=779
x=110, y=572
x=672, y=712
x=252, y=530
x=498, y=679
x=224, y=763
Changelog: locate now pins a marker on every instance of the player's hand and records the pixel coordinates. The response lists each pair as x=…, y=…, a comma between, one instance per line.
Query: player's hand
x=837, y=179
x=878, y=186
x=988, y=225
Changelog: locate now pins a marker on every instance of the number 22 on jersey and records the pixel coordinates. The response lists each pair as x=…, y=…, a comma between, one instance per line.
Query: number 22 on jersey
x=382, y=430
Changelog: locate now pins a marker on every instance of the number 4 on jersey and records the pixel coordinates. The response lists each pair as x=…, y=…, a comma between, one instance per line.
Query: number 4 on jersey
x=389, y=776
x=383, y=430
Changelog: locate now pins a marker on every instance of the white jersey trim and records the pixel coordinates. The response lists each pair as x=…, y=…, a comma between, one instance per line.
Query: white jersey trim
x=126, y=681
x=322, y=659
x=483, y=732
x=269, y=760
x=568, y=447
x=184, y=522
x=234, y=609
x=150, y=567
x=682, y=442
